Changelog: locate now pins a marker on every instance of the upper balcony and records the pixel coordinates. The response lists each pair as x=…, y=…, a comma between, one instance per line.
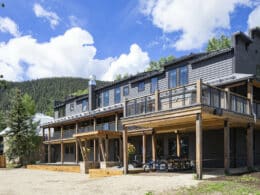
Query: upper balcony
x=199, y=96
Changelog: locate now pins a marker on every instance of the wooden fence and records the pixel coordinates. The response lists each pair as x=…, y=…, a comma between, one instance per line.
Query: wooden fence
x=2, y=161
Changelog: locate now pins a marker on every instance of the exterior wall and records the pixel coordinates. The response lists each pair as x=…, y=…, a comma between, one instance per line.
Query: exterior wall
x=247, y=56
x=257, y=147
x=212, y=68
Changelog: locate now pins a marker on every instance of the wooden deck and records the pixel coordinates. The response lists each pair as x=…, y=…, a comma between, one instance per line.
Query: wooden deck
x=2, y=161
x=62, y=168
x=95, y=173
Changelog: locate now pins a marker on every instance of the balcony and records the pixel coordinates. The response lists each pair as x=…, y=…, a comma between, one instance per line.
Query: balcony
x=188, y=96
x=56, y=135
x=106, y=126
x=86, y=129
x=68, y=133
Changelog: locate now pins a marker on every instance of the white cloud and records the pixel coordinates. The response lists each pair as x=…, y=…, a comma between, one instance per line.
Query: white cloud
x=195, y=20
x=254, y=18
x=135, y=61
x=52, y=17
x=7, y=25
x=25, y=58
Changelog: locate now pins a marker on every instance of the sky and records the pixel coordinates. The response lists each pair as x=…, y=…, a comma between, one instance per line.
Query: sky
x=78, y=38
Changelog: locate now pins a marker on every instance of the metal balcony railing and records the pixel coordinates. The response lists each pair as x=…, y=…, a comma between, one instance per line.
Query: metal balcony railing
x=56, y=135
x=86, y=129
x=68, y=133
x=256, y=107
x=188, y=95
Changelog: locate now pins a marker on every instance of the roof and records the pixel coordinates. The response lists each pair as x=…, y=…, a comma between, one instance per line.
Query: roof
x=236, y=77
x=184, y=58
x=211, y=54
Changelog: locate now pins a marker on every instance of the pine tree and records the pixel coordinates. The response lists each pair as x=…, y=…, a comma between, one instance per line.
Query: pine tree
x=218, y=43
x=22, y=138
x=2, y=121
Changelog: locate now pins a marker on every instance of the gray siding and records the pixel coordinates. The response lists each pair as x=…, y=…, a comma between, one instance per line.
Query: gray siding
x=247, y=57
x=213, y=68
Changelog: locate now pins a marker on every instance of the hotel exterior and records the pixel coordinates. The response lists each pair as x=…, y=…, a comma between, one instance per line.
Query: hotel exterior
x=204, y=107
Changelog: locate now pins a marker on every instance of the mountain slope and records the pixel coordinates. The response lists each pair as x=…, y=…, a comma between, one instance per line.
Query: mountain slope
x=44, y=91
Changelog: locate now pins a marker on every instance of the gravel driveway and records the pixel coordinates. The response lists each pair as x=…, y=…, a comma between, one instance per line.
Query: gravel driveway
x=24, y=181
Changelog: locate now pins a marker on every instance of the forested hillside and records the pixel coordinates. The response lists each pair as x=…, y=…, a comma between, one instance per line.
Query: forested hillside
x=44, y=91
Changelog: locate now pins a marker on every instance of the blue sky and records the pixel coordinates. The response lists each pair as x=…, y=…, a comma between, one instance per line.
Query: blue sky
x=44, y=38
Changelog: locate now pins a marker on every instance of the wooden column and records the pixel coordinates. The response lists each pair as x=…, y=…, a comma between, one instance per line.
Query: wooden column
x=107, y=149
x=199, y=91
x=49, y=153
x=228, y=106
x=94, y=151
x=144, y=148
x=226, y=147
x=49, y=133
x=178, y=143
x=125, y=150
x=61, y=132
x=156, y=98
x=250, y=96
x=62, y=152
x=250, y=148
x=153, y=147
x=116, y=122
x=76, y=144
x=102, y=149
x=94, y=124
x=199, y=146
x=125, y=107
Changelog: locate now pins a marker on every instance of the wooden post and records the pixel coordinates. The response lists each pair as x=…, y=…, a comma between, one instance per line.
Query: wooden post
x=144, y=148
x=107, y=149
x=116, y=122
x=178, y=144
x=228, y=106
x=156, y=99
x=125, y=107
x=226, y=146
x=61, y=132
x=250, y=97
x=250, y=148
x=94, y=124
x=94, y=150
x=76, y=144
x=49, y=133
x=102, y=149
x=62, y=152
x=49, y=153
x=153, y=147
x=199, y=146
x=199, y=91
x=125, y=148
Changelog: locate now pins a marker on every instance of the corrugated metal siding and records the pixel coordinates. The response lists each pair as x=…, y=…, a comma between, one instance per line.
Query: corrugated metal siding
x=211, y=69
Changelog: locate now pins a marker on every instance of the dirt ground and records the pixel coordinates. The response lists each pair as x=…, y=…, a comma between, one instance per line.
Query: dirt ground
x=24, y=181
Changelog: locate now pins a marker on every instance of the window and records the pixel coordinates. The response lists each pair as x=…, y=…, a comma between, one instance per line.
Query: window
x=183, y=75
x=154, y=84
x=71, y=106
x=84, y=105
x=61, y=112
x=117, y=95
x=173, y=78
x=106, y=98
x=98, y=100
x=258, y=70
x=126, y=91
x=141, y=86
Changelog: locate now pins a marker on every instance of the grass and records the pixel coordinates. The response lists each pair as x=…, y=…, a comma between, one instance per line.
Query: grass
x=237, y=185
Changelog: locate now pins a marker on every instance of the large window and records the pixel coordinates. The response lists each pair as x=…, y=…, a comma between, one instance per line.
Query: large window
x=154, y=84
x=183, y=75
x=126, y=91
x=98, y=100
x=72, y=106
x=117, y=95
x=106, y=98
x=173, y=78
x=84, y=105
x=141, y=86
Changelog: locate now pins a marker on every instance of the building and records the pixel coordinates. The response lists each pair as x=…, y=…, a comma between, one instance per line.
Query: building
x=204, y=107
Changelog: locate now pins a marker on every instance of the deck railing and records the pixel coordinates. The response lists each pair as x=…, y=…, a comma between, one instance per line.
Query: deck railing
x=68, y=133
x=85, y=129
x=188, y=95
x=256, y=107
x=56, y=135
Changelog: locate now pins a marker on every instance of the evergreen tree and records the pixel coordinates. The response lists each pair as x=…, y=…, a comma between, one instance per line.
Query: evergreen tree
x=2, y=121
x=22, y=139
x=218, y=43
x=159, y=64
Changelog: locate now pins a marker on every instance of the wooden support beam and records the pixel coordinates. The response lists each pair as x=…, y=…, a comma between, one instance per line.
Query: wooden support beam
x=250, y=96
x=228, y=106
x=199, y=146
x=83, y=152
x=94, y=124
x=116, y=121
x=199, y=91
x=95, y=150
x=156, y=99
x=62, y=152
x=49, y=134
x=153, y=147
x=61, y=132
x=178, y=143
x=125, y=148
x=107, y=149
x=102, y=149
x=250, y=148
x=120, y=149
x=76, y=127
x=144, y=148
x=49, y=153
x=77, y=152
x=226, y=146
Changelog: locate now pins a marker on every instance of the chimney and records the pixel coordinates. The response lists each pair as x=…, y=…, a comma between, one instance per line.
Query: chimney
x=91, y=92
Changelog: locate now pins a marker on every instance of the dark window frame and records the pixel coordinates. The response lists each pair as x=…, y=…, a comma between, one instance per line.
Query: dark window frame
x=180, y=75
x=152, y=90
x=72, y=106
x=117, y=99
x=106, y=101
x=86, y=101
x=141, y=86
x=169, y=78
x=125, y=87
